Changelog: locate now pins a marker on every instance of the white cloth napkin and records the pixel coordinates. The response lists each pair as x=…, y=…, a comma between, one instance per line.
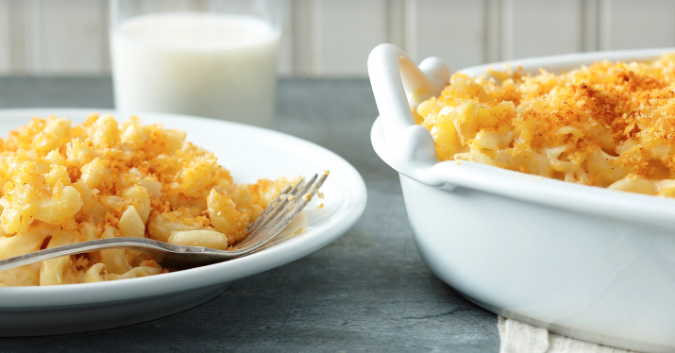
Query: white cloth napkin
x=517, y=337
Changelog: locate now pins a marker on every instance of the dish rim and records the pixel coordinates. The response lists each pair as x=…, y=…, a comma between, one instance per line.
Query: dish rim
x=350, y=211
x=410, y=156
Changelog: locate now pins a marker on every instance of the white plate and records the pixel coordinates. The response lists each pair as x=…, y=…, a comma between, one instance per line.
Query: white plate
x=249, y=153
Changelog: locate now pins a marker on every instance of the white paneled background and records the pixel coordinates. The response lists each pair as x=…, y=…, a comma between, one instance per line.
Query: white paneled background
x=333, y=37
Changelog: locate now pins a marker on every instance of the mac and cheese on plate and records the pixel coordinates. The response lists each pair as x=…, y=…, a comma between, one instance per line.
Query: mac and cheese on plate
x=609, y=124
x=63, y=184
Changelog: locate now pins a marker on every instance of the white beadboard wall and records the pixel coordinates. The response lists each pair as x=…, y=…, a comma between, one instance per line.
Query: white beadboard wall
x=5, y=59
x=332, y=38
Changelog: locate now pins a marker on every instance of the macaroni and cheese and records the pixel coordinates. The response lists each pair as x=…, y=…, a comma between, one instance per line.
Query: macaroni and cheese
x=609, y=124
x=63, y=184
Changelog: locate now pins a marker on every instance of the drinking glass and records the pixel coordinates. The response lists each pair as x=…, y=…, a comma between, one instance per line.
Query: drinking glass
x=210, y=58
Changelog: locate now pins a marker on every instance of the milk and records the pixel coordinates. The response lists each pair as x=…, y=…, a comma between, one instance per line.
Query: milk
x=212, y=65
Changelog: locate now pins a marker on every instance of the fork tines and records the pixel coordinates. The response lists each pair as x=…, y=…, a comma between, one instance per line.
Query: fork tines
x=280, y=212
x=278, y=203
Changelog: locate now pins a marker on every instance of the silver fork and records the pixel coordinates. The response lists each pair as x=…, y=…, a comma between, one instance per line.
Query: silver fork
x=278, y=214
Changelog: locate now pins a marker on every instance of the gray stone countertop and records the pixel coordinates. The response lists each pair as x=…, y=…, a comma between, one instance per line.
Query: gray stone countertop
x=369, y=291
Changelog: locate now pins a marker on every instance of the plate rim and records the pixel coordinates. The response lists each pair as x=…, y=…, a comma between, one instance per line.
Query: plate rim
x=21, y=298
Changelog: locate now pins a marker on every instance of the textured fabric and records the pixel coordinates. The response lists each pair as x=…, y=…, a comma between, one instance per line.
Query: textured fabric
x=517, y=337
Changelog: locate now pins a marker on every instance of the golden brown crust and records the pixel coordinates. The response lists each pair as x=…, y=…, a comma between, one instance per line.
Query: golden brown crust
x=625, y=110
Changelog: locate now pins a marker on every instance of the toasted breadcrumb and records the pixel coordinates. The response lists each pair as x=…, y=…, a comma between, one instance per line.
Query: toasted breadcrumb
x=63, y=184
x=596, y=125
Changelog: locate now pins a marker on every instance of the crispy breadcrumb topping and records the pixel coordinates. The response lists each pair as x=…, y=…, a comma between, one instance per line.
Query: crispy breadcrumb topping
x=63, y=184
x=595, y=125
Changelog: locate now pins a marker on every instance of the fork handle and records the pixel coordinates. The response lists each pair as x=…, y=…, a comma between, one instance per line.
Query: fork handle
x=163, y=253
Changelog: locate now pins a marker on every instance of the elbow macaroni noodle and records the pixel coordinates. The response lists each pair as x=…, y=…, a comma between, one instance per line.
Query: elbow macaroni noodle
x=63, y=184
x=610, y=124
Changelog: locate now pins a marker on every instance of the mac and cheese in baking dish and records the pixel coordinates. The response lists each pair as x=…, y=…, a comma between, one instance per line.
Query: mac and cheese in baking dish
x=63, y=184
x=609, y=124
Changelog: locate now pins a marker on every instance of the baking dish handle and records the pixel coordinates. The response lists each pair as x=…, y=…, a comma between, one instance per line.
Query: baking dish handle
x=392, y=75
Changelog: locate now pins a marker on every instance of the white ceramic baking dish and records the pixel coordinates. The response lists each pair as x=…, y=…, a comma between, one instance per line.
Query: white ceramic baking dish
x=585, y=262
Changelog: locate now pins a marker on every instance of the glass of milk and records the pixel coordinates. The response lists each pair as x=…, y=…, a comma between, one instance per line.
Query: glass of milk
x=210, y=58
